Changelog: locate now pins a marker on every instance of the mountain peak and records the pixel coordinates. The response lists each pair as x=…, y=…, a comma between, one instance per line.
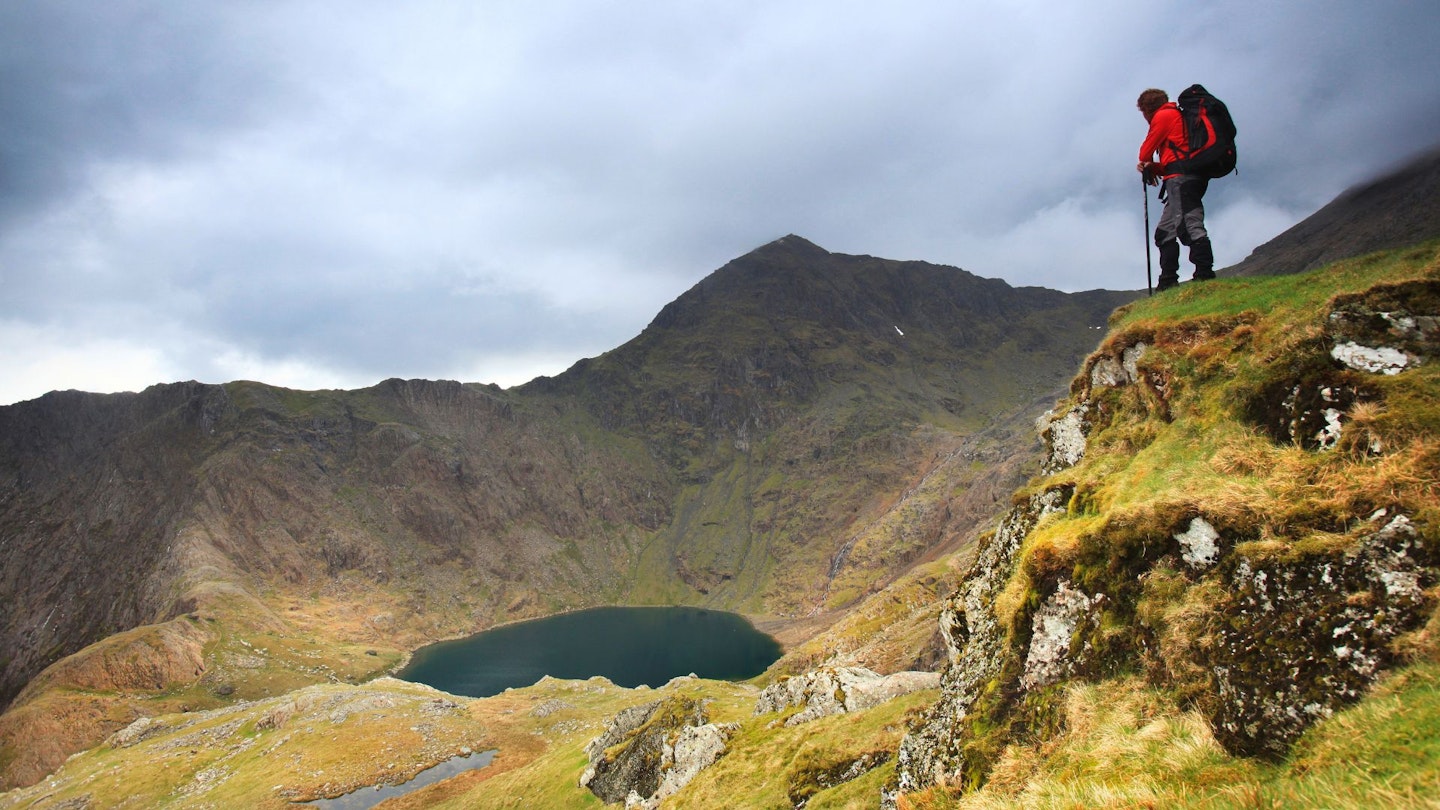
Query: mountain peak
x=792, y=245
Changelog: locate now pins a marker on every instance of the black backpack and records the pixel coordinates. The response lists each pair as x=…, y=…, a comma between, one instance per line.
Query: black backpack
x=1210, y=133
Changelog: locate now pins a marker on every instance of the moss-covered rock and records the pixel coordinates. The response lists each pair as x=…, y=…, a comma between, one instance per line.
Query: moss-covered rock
x=651, y=751
x=1298, y=637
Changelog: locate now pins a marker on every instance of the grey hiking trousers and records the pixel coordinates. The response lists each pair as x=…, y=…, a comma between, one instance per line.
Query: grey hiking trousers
x=1182, y=222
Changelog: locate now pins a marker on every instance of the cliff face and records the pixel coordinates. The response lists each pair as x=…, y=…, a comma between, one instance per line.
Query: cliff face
x=93, y=490
x=1239, y=512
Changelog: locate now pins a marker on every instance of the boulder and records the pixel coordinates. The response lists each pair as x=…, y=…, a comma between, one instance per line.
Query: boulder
x=650, y=752
x=836, y=690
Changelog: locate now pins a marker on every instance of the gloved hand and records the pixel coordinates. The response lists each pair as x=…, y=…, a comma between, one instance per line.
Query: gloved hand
x=1151, y=173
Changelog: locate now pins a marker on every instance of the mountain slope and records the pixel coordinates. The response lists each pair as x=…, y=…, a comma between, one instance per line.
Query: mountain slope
x=786, y=437
x=1399, y=208
x=793, y=378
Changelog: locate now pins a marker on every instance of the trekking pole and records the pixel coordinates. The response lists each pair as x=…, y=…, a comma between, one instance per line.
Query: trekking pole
x=1145, y=192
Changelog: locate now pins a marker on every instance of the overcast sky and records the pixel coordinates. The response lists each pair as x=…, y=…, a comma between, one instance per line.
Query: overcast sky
x=324, y=194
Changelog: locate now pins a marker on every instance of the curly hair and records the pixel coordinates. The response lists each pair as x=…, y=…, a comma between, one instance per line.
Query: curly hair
x=1151, y=100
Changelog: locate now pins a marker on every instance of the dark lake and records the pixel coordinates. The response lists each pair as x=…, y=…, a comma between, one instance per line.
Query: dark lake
x=628, y=645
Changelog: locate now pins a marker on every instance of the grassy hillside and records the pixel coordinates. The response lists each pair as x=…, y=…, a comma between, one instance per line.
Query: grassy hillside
x=1135, y=660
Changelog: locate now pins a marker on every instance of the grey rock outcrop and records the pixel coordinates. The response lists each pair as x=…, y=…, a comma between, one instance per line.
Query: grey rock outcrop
x=1386, y=331
x=1112, y=372
x=1301, y=638
x=836, y=690
x=1054, y=625
x=650, y=752
x=975, y=641
x=1199, y=544
x=1065, y=432
x=1064, y=436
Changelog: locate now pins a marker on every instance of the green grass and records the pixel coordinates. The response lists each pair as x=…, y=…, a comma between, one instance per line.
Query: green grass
x=1128, y=746
x=764, y=763
x=1284, y=301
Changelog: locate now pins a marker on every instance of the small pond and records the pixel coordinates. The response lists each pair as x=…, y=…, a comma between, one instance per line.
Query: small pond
x=365, y=798
x=629, y=645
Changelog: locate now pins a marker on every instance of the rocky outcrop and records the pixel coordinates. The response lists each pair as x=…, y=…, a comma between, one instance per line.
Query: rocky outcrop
x=1064, y=435
x=1385, y=331
x=836, y=690
x=975, y=640
x=982, y=652
x=1199, y=544
x=1064, y=432
x=1266, y=633
x=651, y=751
x=1299, y=638
x=1067, y=612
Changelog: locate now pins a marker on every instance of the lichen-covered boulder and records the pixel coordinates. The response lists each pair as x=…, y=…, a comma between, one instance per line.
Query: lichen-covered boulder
x=932, y=753
x=650, y=752
x=835, y=690
x=1199, y=544
x=1065, y=433
x=694, y=749
x=1064, y=436
x=1302, y=636
x=1064, y=614
x=1109, y=371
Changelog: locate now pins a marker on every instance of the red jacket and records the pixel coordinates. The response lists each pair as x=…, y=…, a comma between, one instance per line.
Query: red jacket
x=1166, y=140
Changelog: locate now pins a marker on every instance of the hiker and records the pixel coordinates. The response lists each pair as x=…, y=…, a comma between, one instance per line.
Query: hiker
x=1183, y=219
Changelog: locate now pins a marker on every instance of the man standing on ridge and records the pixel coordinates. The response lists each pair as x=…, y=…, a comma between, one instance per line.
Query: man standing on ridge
x=1183, y=219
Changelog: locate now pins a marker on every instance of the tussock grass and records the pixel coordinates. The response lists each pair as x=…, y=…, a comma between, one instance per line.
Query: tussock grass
x=1216, y=348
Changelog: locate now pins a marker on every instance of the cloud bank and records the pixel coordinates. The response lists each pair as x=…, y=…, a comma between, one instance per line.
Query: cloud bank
x=322, y=194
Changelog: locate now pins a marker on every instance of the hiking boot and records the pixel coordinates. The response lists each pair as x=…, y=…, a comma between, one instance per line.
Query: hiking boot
x=1166, y=282
x=1203, y=257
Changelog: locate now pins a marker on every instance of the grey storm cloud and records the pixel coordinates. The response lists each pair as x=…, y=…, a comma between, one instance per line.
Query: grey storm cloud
x=324, y=194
